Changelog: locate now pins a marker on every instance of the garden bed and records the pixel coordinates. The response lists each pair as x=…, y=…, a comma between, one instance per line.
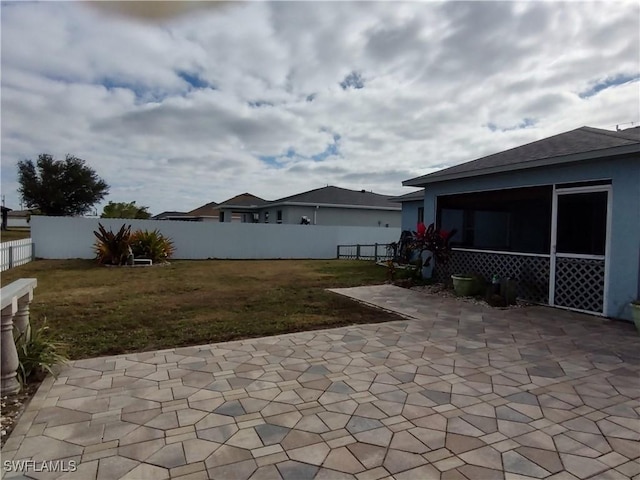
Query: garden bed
x=442, y=290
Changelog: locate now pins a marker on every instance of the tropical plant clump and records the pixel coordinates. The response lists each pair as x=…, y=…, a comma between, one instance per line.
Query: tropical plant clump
x=112, y=248
x=152, y=245
x=431, y=239
x=410, y=248
x=38, y=354
x=122, y=247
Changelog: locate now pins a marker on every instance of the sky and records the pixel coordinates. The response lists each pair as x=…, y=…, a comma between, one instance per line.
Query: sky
x=177, y=105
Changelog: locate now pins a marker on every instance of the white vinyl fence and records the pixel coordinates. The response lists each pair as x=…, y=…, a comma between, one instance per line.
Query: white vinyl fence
x=15, y=253
x=72, y=237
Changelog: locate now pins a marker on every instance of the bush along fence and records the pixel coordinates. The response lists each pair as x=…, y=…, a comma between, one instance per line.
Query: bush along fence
x=376, y=252
x=16, y=253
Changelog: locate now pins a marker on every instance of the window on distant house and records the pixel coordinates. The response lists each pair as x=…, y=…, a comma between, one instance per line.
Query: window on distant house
x=279, y=219
x=266, y=217
x=420, y=214
x=221, y=217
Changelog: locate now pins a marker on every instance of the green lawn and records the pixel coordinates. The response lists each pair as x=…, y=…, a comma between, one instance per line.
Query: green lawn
x=14, y=234
x=104, y=311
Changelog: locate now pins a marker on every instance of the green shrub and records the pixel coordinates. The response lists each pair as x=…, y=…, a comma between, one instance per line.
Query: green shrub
x=152, y=245
x=112, y=248
x=38, y=354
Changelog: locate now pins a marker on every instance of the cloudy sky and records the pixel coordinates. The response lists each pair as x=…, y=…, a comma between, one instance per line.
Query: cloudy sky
x=279, y=98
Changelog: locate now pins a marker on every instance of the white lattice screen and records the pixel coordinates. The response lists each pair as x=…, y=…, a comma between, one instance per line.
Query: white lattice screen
x=580, y=284
x=531, y=273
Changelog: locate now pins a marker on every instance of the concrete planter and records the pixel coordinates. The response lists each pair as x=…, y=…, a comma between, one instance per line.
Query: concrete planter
x=464, y=285
x=635, y=314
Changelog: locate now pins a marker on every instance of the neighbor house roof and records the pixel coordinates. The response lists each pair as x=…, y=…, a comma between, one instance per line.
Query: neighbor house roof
x=208, y=210
x=244, y=200
x=20, y=213
x=410, y=197
x=584, y=143
x=164, y=215
x=337, y=196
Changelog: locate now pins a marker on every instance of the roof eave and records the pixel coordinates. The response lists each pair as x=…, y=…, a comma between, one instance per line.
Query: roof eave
x=415, y=199
x=576, y=157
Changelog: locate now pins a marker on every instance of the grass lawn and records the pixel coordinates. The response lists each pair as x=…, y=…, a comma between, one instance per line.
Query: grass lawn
x=14, y=234
x=104, y=311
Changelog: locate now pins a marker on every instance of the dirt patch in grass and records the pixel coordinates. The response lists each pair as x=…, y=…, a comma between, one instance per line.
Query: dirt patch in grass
x=104, y=311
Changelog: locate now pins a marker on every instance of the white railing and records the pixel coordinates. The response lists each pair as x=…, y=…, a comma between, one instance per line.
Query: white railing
x=15, y=253
x=15, y=299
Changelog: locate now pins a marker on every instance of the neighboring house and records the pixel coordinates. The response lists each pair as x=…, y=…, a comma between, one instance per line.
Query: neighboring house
x=206, y=213
x=241, y=208
x=560, y=215
x=5, y=215
x=183, y=216
x=18, y=218
x=334, y=206
x=412, y=209
x=322, y=206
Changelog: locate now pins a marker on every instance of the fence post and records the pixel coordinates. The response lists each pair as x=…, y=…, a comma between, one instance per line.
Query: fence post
x=338, y=252
x=33, y=251
x=10, y=256
x=358, y=252
x=375, y=253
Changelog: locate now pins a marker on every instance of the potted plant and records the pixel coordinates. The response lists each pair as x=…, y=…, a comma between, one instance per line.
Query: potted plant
x=635, y=313
x=464, y=285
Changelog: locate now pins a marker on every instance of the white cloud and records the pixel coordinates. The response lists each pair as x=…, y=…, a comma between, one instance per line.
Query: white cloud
x=178, y=112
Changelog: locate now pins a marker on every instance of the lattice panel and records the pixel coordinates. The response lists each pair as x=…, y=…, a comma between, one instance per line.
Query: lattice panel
x=580, y=284
x=530, y=273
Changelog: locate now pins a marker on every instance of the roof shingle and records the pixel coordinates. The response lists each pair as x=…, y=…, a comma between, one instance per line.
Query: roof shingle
x=583, y=140
x=331, y=195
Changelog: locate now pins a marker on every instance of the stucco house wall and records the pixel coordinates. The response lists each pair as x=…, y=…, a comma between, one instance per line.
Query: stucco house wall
x=624, y=173
x=410, y=214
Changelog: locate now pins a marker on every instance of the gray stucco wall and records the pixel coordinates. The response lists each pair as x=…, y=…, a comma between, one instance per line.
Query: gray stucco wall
x=410, y=214
x=624, y=260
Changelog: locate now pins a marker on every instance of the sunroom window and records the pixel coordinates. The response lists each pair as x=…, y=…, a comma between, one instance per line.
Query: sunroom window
x=512, y=220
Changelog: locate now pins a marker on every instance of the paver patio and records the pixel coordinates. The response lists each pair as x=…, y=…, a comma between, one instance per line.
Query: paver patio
x=453, y=391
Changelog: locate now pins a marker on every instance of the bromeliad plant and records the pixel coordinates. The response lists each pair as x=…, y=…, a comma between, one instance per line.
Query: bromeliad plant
x=112, y=248
x=152, y=245
x=120, y=248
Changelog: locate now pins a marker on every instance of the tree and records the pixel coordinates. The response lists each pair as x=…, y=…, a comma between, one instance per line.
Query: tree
x=124, y=210
x=60, y=187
